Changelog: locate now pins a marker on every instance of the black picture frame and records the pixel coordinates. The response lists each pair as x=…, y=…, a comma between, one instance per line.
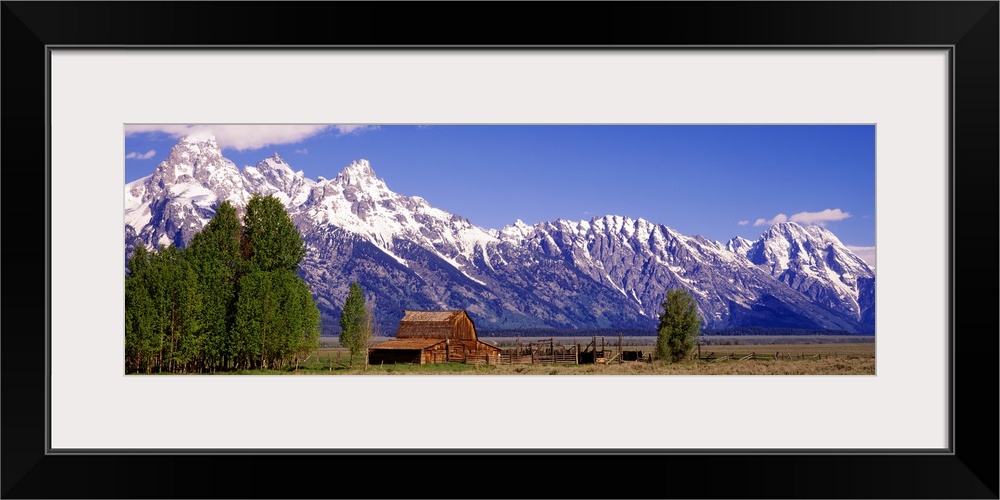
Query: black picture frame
x=969, y=470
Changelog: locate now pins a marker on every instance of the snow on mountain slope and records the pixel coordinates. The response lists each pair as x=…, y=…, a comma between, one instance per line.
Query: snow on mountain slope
x=813, y=261
x=357, y=201
x=272, y=176
x=609, y=271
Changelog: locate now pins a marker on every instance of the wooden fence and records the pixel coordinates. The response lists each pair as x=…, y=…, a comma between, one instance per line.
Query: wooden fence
x=510, y=358
x=460, y=357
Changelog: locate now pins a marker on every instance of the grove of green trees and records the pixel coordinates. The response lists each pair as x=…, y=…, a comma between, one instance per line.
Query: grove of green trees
x=231, y=300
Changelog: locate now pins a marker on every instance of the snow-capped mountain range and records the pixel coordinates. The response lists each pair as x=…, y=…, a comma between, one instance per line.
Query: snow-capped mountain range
x=609, y=271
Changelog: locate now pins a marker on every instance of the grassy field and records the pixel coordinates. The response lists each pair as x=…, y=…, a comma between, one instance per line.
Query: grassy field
x=793, y=359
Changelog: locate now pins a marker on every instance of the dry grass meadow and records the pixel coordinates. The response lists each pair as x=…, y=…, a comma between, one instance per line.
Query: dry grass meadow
x=771, y=359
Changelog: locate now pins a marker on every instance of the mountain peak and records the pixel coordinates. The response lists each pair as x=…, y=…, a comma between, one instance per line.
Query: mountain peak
x=199, y=138
x=359, y=168
x=786, y=230
x=786, y=226
x=791, y=231
x=195, y=148
x=360, y=173
x=272, y=166
x=193, y=153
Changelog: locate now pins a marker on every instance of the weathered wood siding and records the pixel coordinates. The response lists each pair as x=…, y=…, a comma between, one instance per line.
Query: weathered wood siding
x=463, y=327
x=436, y=324
x=464, y=349
x=434, y=353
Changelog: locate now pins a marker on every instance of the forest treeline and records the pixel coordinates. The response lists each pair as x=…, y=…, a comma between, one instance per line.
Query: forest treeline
x=565, y=332
x=757, y=330
x=650, y=332
x=231, y=300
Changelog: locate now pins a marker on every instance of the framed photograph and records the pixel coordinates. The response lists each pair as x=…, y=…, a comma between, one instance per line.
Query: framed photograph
x=919, y=78
x=562, y=271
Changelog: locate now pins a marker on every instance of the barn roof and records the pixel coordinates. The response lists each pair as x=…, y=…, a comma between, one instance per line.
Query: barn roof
x=436, y=324
x=408, y=344
x=431, y=316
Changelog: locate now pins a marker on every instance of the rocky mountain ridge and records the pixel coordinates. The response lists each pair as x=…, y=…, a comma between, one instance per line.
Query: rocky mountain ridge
x=609, y=271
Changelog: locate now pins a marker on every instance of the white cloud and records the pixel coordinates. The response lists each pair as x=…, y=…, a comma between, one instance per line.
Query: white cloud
x=820, y=218
x=866, y=253
x=302, y=151
x=244, y=137
x=809, y=218
x=140, y=156
x=776, y=220
x=354, y=129
x=743, y=222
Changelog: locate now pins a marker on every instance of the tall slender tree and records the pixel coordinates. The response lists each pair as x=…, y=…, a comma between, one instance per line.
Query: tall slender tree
x=162, y=310
x=300, y=321
x=141, y=322
x=215, y=256
x=276, y=319
x=268, y=323
x=352, y=321
x=369, y=329
x=182, y=307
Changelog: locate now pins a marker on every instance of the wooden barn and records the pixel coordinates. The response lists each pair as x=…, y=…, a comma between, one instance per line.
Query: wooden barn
x=434, y=337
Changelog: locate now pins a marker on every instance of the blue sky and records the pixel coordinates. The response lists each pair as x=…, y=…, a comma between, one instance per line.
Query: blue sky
x=716, y=181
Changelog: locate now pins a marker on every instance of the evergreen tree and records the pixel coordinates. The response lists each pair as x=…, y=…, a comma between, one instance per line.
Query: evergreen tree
x=678, y=327
x=352, y=321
